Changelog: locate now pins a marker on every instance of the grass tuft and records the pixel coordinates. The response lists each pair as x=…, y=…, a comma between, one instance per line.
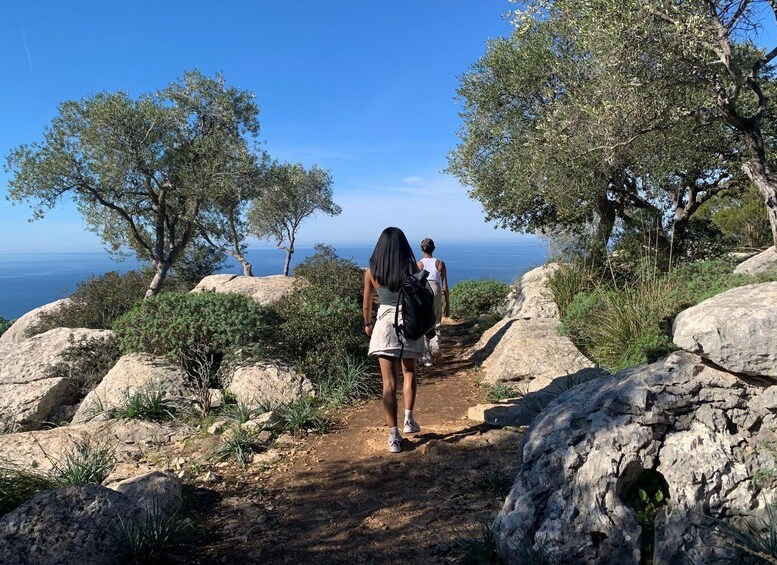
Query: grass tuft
x=152, y=538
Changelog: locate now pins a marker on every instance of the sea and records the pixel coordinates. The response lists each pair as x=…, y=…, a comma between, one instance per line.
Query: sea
x=29, y=280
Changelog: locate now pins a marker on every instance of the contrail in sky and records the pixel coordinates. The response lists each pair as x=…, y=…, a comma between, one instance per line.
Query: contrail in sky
x=26, y=49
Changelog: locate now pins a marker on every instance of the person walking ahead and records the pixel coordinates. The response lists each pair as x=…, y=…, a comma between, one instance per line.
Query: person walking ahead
x=438, y=280
x=391, y=262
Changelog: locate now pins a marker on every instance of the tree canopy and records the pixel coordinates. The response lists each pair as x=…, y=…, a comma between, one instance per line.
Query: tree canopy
x=291, y=194
x=144, y=170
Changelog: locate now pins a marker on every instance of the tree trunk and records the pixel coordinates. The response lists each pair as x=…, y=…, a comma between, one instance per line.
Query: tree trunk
x=288, y=262
x=159, y=278
x=764, y=180
x=601, y=236
x=247, y=269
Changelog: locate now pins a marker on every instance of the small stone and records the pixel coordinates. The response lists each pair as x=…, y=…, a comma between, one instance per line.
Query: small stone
x=264, y=436
x=180, y=462
x=285, y=439
x=210, y=477
x=217, y=427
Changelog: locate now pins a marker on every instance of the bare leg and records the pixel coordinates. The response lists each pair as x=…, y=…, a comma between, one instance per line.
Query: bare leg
x=409, y=385
x=388, y=373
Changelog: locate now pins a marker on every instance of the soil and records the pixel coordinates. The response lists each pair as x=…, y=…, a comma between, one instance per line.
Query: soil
x=342, y=497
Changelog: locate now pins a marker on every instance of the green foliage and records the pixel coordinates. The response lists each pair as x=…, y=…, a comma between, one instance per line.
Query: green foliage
x=568, y=281
x=240, y=412
x=353, y=379
x=471, y=298
x=479, y=548
x=85, y=362
x=19, y=485
x=647, y=495
x=500, y=391
x=292, y=194
x=748, y=541
x=119, y=157
x=331, y=275
x=742, y=218
x=85, y=462
x=5, y=324
x=153, y=537
x=145, y=403
x=302, y=415
x=198, y=261
x=497, y=483
x=185, y=326
x=238, y=444
x=625, y=322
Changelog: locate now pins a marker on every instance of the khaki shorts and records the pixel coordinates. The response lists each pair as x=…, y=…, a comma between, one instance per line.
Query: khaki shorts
x=384, y=340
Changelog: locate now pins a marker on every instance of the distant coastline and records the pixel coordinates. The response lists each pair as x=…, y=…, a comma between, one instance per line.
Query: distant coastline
x=29, y=280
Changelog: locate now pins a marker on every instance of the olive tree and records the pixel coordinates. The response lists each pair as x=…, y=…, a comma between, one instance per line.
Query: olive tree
x=141, y=170
x=291, y=194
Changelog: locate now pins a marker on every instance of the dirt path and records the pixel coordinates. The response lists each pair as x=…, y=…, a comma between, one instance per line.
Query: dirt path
x=342, y=497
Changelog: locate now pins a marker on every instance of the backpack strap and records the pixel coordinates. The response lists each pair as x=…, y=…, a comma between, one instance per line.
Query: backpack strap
x=396, y=321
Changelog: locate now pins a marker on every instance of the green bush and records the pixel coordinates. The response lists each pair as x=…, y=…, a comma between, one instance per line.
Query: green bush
x=86, y=361
x=471, y=298
x=183, y=327
x=568, y=281
x=146, y=403
x=332, y=276
x=99, y=300
x=623, y=324
x=19, y=485
x=5, y=324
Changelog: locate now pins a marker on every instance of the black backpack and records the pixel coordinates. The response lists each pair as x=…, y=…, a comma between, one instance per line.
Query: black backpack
x=417, y=301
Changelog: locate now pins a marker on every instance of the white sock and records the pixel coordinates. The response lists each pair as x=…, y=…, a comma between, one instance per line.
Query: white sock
x=408, y=415
x=393, y=432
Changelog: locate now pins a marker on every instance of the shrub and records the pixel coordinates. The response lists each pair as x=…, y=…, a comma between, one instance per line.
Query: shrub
x=471, y=298
x=86, y=361
x=146, y=403
x=568, y=281
x=500, y=391
x=302, y=415
x=353, y=378
x=5, y=324
x=19, y=485
x=184, y=326
x=332, y=276
x=85, y=462
x=238, y=443
x=152, y=537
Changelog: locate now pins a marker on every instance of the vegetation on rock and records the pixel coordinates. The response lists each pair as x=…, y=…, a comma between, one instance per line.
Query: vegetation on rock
x=471, y=298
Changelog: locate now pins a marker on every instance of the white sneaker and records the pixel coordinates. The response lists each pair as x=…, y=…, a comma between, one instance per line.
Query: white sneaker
x=411, y=427
x=394, y=444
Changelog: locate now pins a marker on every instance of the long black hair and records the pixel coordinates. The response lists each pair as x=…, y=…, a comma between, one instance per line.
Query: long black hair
x=392, y=260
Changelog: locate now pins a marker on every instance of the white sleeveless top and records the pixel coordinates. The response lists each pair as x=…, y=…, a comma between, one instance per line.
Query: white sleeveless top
x=430, y=265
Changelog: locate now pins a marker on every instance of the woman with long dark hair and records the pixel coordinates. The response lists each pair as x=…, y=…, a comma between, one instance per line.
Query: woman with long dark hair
x=391, y=262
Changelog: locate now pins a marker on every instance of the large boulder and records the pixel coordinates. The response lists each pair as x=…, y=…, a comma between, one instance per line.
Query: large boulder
x=132, y=373
x=82, y=524
x=42, y=449
x=531, y=297
x=18, y=331
x=705, y=432
x=529, y=353
x=28, y=394
x=268, y=383
x=736, y=330
x=264, y=290
x=764, y=262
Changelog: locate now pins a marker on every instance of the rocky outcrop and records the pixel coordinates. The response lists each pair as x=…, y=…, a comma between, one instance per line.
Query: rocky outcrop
x=28, y=394
x=528, y=353
x=531, y=297
x=43, y=448
x=736, y=330
x=268, y=383
x=264, y=290
x=81, y=524
x=764, y=262
x=18, y=331
x=703, y=431
x=132, y=373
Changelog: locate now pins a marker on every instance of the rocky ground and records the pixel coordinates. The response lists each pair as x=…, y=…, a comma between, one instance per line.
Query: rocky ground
x=342, y=497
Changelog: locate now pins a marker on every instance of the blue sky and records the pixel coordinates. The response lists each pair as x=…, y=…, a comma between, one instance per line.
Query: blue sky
x=362, y=87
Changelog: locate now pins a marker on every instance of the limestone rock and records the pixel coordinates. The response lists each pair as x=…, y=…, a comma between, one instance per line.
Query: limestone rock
x=264, y=290
x=268, y=382
x=75, y=525
x=531, y=297
x=154, y=491
x=764, y=262
x=132, y=373
x=27, y=394
x=529, y=353
x=17, y=332
x=40, y=449
x=736, y=330
x=706, y=432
